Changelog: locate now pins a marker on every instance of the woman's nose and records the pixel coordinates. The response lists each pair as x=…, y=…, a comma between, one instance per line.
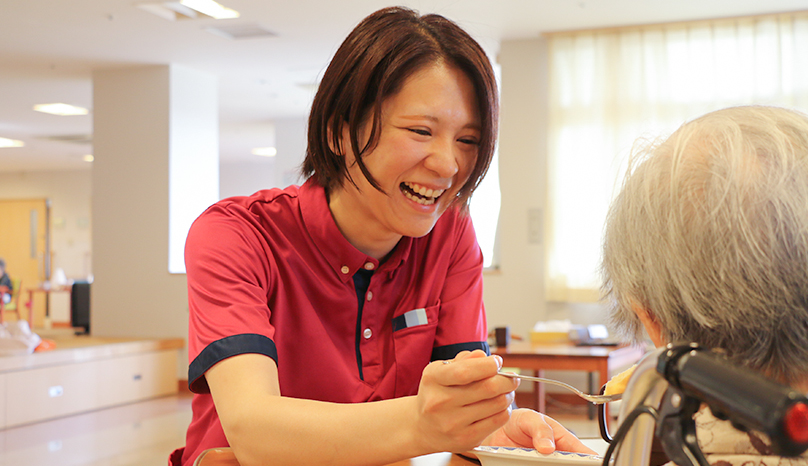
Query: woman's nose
x=443, y=160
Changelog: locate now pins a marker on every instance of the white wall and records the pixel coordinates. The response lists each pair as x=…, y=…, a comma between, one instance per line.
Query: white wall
x=244, y=177
x=69, y=192
x=291, y=141
x=133, y=294
x=514, y=294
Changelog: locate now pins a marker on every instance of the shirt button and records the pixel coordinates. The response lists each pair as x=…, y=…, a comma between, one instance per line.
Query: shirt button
x=370, y=295
x=369, y=266
x=367, y=333
x=345, y=269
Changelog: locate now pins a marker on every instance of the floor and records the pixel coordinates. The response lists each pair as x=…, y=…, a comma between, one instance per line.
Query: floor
x=139, y=434
x=144, y=433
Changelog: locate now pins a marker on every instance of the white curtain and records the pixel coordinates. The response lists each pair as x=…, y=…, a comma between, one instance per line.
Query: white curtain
x=610, y=87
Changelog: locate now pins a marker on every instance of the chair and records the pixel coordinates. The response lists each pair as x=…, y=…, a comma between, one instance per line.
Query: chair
x=217, y=457
x=14, y=304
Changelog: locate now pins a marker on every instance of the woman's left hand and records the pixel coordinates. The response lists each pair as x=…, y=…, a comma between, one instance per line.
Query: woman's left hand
x=530, y=429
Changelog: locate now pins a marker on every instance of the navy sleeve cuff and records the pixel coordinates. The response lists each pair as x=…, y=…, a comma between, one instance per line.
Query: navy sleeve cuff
x=450, y=351
x=223, y=349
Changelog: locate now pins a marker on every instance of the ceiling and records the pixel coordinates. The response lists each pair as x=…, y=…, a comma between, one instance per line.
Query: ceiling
x=48, y=49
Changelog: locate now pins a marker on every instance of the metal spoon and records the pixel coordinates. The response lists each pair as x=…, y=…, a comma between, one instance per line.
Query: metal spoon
x=596, y=399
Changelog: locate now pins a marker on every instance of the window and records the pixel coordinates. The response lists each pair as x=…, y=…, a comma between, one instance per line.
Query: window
x=609, y=88
x=484, y=207
x=486, y=202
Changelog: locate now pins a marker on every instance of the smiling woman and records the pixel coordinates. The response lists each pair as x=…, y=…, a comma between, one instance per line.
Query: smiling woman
x=424, y=154
x=365, y=275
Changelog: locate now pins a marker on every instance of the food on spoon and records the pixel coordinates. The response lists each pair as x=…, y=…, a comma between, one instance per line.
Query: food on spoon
x=618, y=383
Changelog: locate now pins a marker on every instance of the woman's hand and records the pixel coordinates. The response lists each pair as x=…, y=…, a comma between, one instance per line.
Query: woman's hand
x=461, y=402
x=530, y=429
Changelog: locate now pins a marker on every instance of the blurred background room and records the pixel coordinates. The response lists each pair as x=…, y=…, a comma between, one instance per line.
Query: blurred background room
x=171, y=108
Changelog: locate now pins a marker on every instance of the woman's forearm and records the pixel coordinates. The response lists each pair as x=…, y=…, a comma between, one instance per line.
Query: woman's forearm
x=294, y=431
x=457, y=406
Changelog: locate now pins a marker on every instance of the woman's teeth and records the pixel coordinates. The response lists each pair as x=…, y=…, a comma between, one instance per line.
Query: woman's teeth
x=419, y=200
x=421, y=194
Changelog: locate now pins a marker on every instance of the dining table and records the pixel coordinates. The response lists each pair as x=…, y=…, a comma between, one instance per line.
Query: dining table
x=45, y=291
x=568, y=356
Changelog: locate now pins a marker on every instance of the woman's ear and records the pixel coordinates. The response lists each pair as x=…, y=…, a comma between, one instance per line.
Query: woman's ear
x=334, y=144
x=651, y=324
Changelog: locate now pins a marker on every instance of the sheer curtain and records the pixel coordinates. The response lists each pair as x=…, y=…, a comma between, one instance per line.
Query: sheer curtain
x=609, y=89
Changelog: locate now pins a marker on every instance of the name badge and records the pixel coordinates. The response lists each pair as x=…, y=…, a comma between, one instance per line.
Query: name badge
x=409, y=319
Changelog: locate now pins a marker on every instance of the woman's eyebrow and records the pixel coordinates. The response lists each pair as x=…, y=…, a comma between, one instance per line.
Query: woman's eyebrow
x=420, y=117
x=435, y=119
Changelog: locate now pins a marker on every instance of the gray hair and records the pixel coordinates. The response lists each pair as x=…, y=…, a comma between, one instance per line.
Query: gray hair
x=710, y=235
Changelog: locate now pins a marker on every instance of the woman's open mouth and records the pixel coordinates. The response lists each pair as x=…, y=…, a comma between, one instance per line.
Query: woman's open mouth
x=420, y=194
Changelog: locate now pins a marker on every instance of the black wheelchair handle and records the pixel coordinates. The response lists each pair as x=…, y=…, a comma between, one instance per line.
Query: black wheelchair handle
x=746, y=398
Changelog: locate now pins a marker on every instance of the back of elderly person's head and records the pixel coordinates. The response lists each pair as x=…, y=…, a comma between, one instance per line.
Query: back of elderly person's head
x=710, y=235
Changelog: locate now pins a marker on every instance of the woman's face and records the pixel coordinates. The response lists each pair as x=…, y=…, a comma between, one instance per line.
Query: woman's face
x=428, y=145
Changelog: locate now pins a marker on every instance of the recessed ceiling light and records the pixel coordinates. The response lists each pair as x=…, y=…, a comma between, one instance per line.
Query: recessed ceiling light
x=240, y=31
x=210, y=8
x=88, y=158
x=61, y=109
x=5, y=142
x=265, y=151
x=71, y=138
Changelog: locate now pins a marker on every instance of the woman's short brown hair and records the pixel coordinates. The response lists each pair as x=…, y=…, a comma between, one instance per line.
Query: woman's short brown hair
x=372, y=64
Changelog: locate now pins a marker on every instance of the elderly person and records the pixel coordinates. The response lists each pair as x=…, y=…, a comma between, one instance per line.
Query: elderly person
x=6, y=287
x=708, y=242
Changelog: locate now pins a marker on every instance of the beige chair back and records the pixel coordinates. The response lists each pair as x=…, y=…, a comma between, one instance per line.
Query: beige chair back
x=217, y=457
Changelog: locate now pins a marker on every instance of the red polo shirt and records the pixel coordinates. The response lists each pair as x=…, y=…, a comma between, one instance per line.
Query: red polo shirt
x=272, y=274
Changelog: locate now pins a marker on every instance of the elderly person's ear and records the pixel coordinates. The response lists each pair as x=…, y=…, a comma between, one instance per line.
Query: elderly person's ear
x=651, y=324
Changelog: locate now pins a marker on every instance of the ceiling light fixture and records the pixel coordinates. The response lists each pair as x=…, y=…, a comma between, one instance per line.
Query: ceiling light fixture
x=5, y=142
x=188, y=9
x=171, y=11
x=61, y=109
x=265, y=151
x=210, y=8
x=71, y=138
x=88, y=158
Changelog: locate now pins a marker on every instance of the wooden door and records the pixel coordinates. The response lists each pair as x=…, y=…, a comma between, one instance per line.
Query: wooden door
x=24, y=236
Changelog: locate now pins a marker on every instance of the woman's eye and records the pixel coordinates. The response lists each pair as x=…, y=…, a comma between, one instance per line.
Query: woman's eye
x=420, y=132
x=469, y=141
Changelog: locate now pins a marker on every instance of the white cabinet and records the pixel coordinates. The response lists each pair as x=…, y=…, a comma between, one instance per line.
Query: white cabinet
x=2, y=398
x=37, y=394
x=49, y=385
x=135, y=378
